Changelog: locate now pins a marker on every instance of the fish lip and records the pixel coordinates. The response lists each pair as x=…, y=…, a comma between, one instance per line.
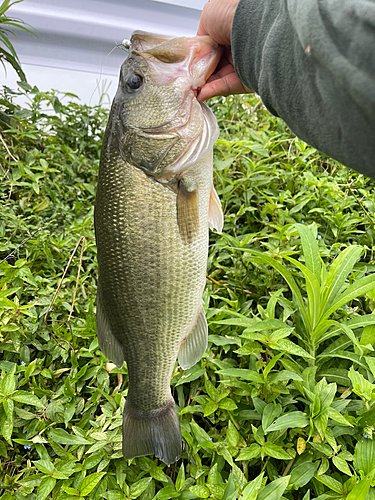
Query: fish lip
x=199, y=55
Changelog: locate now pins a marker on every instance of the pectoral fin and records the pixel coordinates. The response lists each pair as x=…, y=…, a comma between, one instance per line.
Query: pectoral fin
x=195, y=344
x=108, y=343
x=215, y=212
x=187, y=211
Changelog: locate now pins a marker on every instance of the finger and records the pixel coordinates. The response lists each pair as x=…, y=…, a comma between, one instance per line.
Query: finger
x=228, y=85
x=221, y=72
x=202, y=31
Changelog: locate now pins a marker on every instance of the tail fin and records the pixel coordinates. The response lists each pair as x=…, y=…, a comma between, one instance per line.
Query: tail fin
x=152, y=432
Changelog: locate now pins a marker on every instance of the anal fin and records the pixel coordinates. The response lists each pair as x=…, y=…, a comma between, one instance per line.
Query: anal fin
x=108, y=343
x=215, y=212
x=195, y=344
x=187, y=211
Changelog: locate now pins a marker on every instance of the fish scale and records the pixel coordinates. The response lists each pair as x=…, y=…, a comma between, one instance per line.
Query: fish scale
x=154, y=283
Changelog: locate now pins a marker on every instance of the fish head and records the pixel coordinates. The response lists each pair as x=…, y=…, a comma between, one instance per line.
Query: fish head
x=161, y=122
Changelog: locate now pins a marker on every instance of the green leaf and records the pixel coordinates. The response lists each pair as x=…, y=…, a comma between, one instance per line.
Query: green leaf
x=227, y=404
x=258, y=149
x=45, y=487
x=211, y=389
x=60, y=436
x=8, y=408
x=267, y=324
x=42, y=205
x=357, y=289
x=200, y=491
x=364, y=456
x=313, y=292
x=27, y=398
x=210, y=408
x=361, y=386
x=291, y=348
x=271, y=364
x=169, y=492
x=371, y=364
x=191, y=374
x=282, y=376
x=337, y=274
x=88, y=483
x=368, y=335
x=218, y=340
x=69, y=411
x=139, y=487
x=331, y=483
x=337, y=375
x=45, y=466
x=341, y=464
x=232, y=435
x=274, y=490
x=199, y=433
x=275, y=451
x=360, y=490
x=324, y=466
x=180, y=480
x=303, y=473
x=338, y=417
x=8, y=382
x=242, y=373
x=326, y=394
x=351, y=356
x=310, y=250
x=367, y=419
x=262, y=258
x=248, y=453
x=251, y=490
x=270, y=413
x=294, y=419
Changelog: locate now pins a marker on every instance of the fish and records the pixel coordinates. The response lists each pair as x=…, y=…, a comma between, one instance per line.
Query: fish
x=155, y=203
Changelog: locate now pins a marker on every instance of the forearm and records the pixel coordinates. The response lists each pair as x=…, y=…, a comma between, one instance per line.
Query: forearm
x=313, y=64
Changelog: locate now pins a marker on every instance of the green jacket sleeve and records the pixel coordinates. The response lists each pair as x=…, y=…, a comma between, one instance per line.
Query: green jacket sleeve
x=313, y=64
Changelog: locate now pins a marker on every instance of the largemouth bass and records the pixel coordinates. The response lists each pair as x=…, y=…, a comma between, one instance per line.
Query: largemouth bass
x=154, y=205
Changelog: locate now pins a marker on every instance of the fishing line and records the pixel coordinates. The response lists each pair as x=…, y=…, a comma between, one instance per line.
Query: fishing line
x=124, y=45
x=21, y=244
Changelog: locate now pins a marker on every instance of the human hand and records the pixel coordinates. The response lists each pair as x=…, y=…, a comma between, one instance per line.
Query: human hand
x=216, y=21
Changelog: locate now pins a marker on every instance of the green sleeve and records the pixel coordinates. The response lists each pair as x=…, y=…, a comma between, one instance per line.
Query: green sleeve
x=313, y=64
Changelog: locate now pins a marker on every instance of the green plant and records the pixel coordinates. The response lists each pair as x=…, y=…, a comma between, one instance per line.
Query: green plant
x=7, y=51
x=273, y=410
x=327, y=291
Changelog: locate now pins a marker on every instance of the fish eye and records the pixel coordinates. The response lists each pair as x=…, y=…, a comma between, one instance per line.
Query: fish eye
x=134, y=82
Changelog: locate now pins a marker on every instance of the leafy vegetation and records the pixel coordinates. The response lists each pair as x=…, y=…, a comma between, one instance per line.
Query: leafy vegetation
x=282, y=405
x=7, y=52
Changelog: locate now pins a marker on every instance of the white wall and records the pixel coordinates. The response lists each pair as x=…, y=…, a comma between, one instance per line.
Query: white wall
x=73, y=50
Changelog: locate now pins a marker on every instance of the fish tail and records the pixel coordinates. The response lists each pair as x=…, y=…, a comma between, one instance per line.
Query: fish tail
x=152, y=432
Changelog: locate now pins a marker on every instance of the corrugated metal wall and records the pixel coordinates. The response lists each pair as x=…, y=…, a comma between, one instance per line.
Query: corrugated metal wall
x=73, y=50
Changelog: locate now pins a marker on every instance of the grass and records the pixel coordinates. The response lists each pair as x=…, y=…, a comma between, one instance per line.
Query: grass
x=282, y=404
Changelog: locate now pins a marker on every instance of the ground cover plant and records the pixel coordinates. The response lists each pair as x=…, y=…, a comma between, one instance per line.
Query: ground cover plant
x=282, y=405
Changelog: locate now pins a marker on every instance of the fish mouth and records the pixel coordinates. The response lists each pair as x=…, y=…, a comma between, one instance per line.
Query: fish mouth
x=171, y=58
